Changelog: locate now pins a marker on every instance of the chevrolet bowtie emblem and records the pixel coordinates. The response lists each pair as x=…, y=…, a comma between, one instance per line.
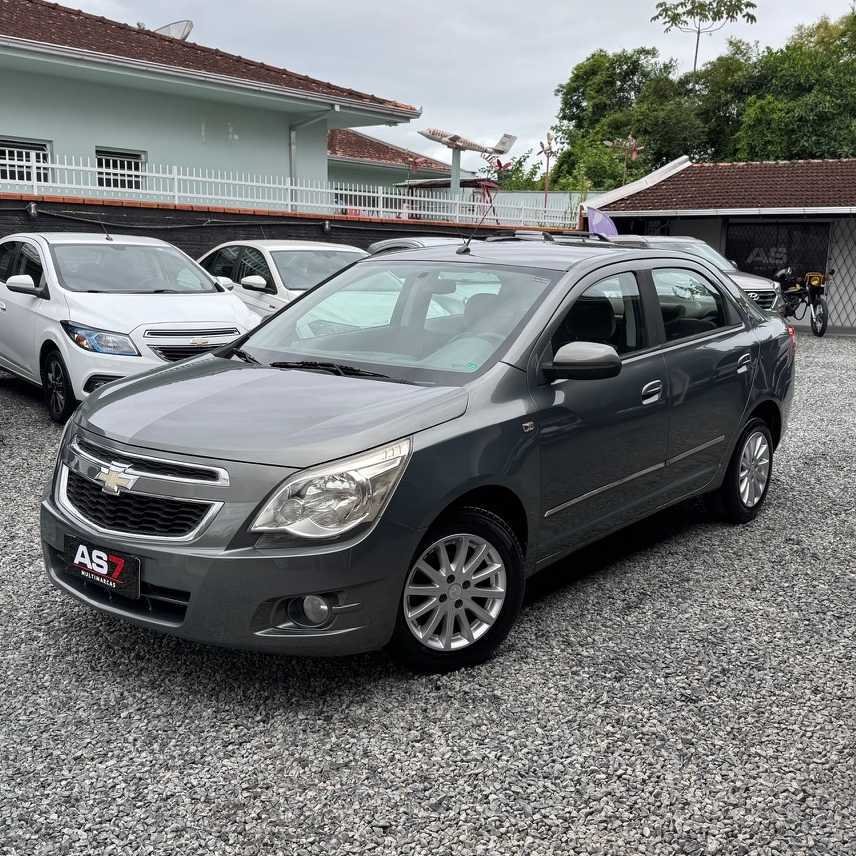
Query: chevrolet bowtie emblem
x=199, y=342
x=114, y=479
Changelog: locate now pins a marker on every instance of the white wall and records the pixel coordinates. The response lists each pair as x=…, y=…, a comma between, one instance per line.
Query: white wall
x=76, y=117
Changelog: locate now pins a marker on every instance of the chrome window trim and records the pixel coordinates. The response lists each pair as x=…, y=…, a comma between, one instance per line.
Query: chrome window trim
x=65, y=504
x=725, y=331
x=222, y=475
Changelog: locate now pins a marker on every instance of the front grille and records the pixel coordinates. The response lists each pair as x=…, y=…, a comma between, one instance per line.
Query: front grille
x=134, y=514
x=174, y=353
x=158, y=602
x=765, y=299
x=184, y=334
x=144, y=466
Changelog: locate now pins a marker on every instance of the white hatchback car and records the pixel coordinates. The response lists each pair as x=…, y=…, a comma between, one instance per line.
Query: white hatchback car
x=267, y=275
x=80, y=310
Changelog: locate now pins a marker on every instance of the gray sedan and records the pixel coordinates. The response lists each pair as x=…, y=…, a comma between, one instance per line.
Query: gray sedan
x=387, y=460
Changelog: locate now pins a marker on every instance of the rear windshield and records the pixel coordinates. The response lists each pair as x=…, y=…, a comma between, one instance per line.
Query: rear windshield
x=303, y=269
x=116, y=268
x=426, y=322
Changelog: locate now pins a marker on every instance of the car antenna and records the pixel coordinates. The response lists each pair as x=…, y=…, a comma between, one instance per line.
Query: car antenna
x=106, y=233
x=464, y=249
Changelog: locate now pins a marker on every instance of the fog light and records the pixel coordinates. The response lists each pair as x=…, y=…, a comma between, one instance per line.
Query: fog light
x=316, y=609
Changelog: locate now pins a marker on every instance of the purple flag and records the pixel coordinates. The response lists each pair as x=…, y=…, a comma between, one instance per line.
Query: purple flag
x=600, y=223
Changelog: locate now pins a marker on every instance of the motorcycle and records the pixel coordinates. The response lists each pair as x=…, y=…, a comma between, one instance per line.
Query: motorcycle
x=805, y=295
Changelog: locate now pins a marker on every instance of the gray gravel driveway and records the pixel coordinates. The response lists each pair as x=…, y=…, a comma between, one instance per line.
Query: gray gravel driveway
x=685, y=687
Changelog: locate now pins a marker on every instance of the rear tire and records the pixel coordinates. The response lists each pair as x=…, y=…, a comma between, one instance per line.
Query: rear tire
x=818, y=327
x=443, y=623
x=59, y=394
x=747, y=479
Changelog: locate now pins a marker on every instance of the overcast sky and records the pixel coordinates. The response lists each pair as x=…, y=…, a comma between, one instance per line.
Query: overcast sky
x=476, y=68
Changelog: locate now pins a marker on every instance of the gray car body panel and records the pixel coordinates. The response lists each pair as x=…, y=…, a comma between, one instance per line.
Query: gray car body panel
x=559, y=451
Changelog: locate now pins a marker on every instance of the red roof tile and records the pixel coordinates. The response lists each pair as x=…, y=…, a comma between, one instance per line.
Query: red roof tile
x=50, y=23
x=762, y=184
x=351, y=145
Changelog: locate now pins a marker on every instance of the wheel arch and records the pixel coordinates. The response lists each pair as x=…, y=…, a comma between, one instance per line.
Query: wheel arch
x=769, y=411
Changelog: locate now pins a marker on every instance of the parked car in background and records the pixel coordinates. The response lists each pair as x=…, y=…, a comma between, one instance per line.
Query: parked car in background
x=342, y=480
x=412, y=242
x=267, y=275
x=80, y=310
x=765, y=292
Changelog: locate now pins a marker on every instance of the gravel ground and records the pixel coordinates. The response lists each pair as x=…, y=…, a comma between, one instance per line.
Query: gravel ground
x=683, y=688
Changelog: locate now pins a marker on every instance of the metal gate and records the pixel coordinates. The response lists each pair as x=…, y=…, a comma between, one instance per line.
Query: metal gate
x=828, y=246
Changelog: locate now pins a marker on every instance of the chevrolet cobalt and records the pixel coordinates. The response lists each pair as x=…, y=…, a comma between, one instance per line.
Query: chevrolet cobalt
x=388, y=459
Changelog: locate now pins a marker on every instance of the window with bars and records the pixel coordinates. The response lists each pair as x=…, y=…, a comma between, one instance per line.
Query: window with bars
x=18, y=158
x=119, y=170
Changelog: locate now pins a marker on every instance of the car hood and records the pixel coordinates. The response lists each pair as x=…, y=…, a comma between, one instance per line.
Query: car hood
x=752, y=282
x=123, y=313
x=228, y=410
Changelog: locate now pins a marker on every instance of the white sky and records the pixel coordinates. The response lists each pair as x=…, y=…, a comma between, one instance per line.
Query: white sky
x=476, y=68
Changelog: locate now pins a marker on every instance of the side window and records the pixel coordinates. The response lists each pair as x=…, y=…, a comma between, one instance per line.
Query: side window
x=30, y=262
x=7, y=259
x=253, y=263
x=222, y=263
x=690, y=304
x=609, y=312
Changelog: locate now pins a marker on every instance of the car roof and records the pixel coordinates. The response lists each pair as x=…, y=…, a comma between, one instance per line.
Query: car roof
x=548, y=255
x=55, y=238
x=275, y=244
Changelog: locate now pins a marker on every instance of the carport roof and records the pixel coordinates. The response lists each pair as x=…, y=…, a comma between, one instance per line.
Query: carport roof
x=802, y=186
x=43, y=23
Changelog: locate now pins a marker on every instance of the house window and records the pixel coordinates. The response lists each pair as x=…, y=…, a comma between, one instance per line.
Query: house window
x=119, y=170
x=17, y=158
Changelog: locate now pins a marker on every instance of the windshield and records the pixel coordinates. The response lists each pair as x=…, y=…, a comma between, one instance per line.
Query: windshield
x=303, y=269
x=129, y=269
x=426, y=322
x=698, y=248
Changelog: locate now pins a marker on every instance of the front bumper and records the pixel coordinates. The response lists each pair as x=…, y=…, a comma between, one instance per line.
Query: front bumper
x=239, y=598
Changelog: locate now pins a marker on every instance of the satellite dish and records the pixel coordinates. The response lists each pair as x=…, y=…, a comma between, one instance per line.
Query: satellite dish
x=176, y=30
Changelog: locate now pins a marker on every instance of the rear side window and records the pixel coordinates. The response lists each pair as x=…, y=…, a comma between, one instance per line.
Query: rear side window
x=609, y=312
x=222, y=263
x=7, y=259
x=691, y=306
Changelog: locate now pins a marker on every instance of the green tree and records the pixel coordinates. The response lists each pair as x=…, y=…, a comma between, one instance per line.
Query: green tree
x=702, y=16
x=519, y=174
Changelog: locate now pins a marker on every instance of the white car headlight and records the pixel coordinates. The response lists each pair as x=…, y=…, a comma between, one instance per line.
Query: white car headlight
x=100, y=341
x=326, y=501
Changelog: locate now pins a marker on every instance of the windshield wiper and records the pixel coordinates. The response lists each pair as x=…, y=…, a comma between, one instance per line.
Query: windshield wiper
x=334, y=368
x=241, y=354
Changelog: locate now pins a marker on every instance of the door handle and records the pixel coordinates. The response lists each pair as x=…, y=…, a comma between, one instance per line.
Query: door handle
x=743, y=363
x=652, y=392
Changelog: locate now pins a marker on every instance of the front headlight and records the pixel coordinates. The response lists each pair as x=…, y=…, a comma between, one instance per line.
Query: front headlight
x=100, y=341
x=327, y=501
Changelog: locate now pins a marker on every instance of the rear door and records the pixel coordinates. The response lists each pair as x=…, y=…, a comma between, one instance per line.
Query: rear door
x=711, y=355
x=602, y=442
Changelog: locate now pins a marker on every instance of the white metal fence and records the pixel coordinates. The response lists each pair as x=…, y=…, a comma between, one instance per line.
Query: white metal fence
x=43, y=174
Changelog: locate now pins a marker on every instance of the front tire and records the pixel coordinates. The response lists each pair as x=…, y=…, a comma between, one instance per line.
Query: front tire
x=59, y=394
x=750, y=470
x=820, y=318
x=461, y=595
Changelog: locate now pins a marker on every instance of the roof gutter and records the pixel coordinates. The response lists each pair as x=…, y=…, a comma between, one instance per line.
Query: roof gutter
x=731, y=212
x=182, y=75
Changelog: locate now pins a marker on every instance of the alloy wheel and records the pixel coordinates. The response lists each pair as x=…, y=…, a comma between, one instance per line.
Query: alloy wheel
x=455, y=592
x=754, y=471
x=55, y=377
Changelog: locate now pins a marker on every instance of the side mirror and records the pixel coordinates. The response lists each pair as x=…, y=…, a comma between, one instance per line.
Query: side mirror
x=225, y=282
x=254, y=283
x=734, y=263
x=583, y=361
x=22, y=283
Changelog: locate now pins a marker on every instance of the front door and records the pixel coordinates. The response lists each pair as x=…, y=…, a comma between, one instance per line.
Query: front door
x=252, y=263
x=711, y=358
x=20, y=314
x=602, y=442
